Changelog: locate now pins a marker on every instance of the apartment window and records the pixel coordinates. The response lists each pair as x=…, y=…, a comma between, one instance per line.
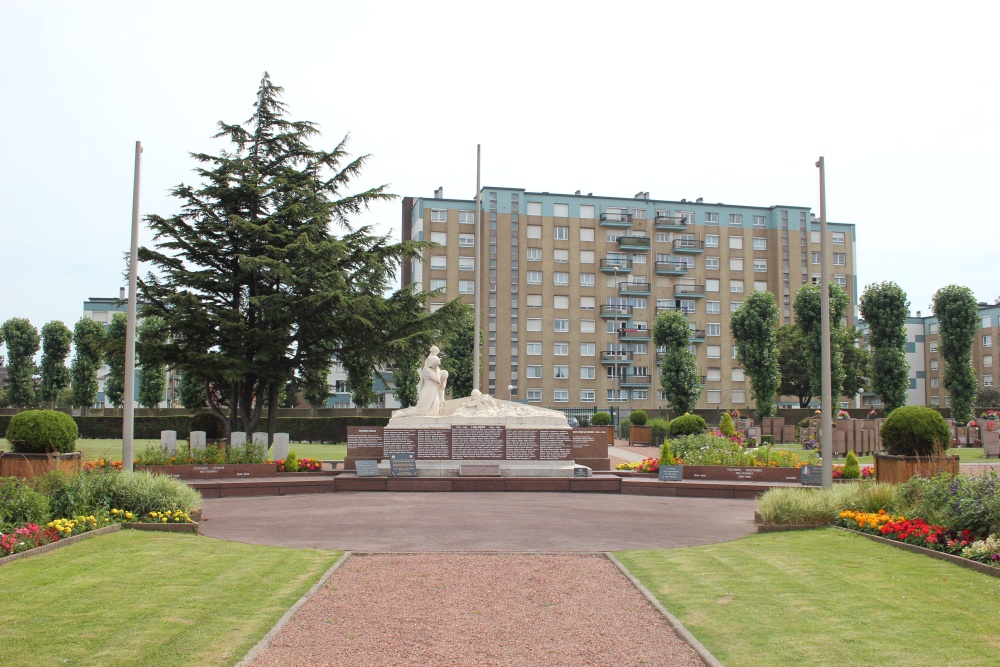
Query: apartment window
x=586, y=233
x=711, y=262
x=739, y=397
x=711, y=284
x=534, y=208
x=588, y=326
x=713, y=351
x=586, y=280
x=439, y=262
x=534, y=324
x=560, y=233
x=838, y=238
x=815, y=257
x=640, y=394
x=737, y=375
x=560, y=372
x=735, y=242
x=986, y=322
x=638, y=258
x=734, y=306
x=935, y=400
x=760, y=266
x=441, y=238
x=711, y=240
x=814, y=237
x=840, y=279
x=560, y=210
x=932, y=328
x=588, y=372
x=587, y=302
x=612, y=237
x=687, y=306
x=935, y=382
x=713, y=396
x=466, y=286
x=561, y=256
x=588, y=349
x=534, y=231
x=467, y=217
x=560, y=325
x=711, y=218
x=736, y=286
x=663, y=237
x=560, y=349
x=712, y=307
x=560, y=302
x=533, y=277
x=466, y=263
x=436, y=307
x=760, y=286
x=534, y=396
x=987, y=361
x=588, y=396
x=932, y=346
x=840, y=259
x=533, y=349
x=534, y=254
x=620, y=395
x=735, y=219
x=735, y=263
x=534, y=301
x=439, y=215
x=438, y=283
x=759, y=221
x=988, y=340
x=586, y=256
x=713, y=374
x=533, y=372
x=759, y=243
x=732, y=352
x=987, y=380
x=560, y=278
x=466, y=240
x=713, y=329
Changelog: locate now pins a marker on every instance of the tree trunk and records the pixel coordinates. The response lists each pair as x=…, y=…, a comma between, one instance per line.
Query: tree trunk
x=272, y=411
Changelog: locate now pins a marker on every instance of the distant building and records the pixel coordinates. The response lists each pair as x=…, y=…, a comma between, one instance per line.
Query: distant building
x=341, y=394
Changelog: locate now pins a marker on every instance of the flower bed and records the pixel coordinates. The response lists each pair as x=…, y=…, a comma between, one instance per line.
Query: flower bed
x=867, y=472
x=305, y=465
x=647, y=465
x=955, y=541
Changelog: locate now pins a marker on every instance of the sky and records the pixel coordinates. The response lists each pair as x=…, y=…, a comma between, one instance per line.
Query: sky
x=730, y=101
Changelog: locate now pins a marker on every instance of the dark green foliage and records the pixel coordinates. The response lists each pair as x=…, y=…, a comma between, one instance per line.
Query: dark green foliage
x=56, y=341
x=793, y=363
x=660, y=428
x=752, y=326
x=638, y=418
x=114, y=359
x=601, y=419
x=914, y=430
x=152, y=333
x=88, y=338
x=808, y=317
x=191, y=391
x=884, y=306
x=687, y=424
x=857, y=363
x=139, y=492
x=726, y=425
x=955, y=501
x=210, y=423
x=852, y=469
x=22, y=344
x=20, y=504
x=315, y=387
x=456, y=355
x=679, y=377
x=957, y=312
x=406, y=377
x=37, y=431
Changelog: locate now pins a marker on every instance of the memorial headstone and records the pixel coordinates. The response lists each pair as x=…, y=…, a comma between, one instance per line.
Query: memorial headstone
x=237, y=439
x=403, y=465
x=366, y=468
x=168, y=440
x=197, y=441
x=260, y=439
x=279, y=448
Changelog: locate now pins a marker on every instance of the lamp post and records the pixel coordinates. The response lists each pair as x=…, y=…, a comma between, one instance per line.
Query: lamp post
x=826, y=420
x=510, y=392
x=616, y=344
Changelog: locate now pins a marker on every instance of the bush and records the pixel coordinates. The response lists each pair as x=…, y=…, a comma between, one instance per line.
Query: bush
x=666, y=456
x=38, y=431
x=638, y=418
x=822, y=507
x=210, y=423
x=914, y=430
x=20, y=504
x=726, y=425
x=584, y=421
x=954, y=501
x=292, y=463
x=661, y=429
x=852, y=469
x=601, y=419
x=138, y=492
x=687, y=424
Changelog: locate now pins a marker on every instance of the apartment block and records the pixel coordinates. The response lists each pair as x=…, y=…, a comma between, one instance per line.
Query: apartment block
x=570, y=285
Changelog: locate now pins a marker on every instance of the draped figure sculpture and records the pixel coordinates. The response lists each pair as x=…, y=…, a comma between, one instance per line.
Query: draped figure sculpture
x=433, y=379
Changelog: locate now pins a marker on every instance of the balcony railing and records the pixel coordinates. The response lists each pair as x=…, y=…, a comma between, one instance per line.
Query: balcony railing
x=689, y=245
x=616, y=266
x=697, y=335
x=636, y=288
x=670, y=222
x=671, y=268
x=616, y=312
x=627, y=334
x=630, y=380
x=689, y=290
x=634, y=242
x=609, y=357
x=616, y=219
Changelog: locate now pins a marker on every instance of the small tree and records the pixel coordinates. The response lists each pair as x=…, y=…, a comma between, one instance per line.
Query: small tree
x=87, y=339
x=56, y=341
x=679, y=369
x=793, y=364
x=808, y=317
x=884, y=307
x=114, y=359
x=857, y=363
x=957, y=312
x=752, y=325
x=22, y=344
x=456, y=355
x=152, y=376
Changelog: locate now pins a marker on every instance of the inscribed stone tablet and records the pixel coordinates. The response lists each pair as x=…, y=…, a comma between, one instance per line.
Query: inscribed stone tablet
x=399, y=440
x=279, y=448
x=812, y=475
x=671, y=473
x=434, y=443
x=260, y=439
x=555, y=445
x=363, y=437
x=197, y=440
x=402, y=465
x=168, y=440
x=522, y=444
x=477, y=442
x=238, y=439
x=581, y=471
x=366, y=468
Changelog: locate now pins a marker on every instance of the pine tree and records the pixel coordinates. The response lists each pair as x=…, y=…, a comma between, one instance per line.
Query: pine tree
x=56, y=341
x=88, y=338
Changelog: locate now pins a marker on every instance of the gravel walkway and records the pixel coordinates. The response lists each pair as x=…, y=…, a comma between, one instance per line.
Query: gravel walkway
x=477, y=610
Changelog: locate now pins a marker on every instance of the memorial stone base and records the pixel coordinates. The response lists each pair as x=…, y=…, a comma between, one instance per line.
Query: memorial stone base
x=480, y=468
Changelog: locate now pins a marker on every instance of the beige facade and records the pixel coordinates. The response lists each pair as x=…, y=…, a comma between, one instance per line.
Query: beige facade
x=572, y=283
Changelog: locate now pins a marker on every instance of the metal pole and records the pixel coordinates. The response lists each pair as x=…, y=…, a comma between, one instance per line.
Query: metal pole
x=128, y=419
x=616, y=346
x=480, y=242
x=826, y=421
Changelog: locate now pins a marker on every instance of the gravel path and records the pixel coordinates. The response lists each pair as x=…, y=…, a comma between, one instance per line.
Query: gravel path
x=477, y=610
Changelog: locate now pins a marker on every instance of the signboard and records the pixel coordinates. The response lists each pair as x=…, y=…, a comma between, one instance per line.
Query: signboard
x=581, y=471
x=402, y=465
x=812, y=475
x=366, y=468
x=671, y=473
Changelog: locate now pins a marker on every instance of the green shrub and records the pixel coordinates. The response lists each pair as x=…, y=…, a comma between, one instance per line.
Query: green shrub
x=584, y=421
x=38, y=431
x=726, y=425
x=601, y=419
x=954, y=501
x=292, y=463
x=661, y=429
x=210, y=423
x=914, y=430
x=250, y=452
x=20, y=504
x=822, y=507
x=687, y=424
x=767, y=440
x=638, y=418
x=666, y=456
x=139, y=492
x=852, y=469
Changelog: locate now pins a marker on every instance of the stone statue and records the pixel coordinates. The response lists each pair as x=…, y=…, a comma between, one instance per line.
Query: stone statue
x=433, y=379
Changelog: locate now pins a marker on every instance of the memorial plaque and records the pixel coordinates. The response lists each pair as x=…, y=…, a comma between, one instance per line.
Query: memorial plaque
x=366, y=468
x=402, y=464
x=522, y=444
x=554, y=445
x=812, y=475
x=363, y=437
x=399, y=440
x=671, y=473
x=581, y=471
x=434, y=443
x=477, y=442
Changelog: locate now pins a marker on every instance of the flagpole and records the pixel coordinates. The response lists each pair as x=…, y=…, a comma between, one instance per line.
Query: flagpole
x=480, y=242
x=826, y=420
x=128, y=419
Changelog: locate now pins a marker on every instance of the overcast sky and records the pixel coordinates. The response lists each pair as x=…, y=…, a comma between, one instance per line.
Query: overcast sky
x=730, y=101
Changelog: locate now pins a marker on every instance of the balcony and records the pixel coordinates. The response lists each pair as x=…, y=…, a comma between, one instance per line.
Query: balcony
x=635, y=289
x=689, y=246
x=616, y=220
x=616, y=266
x=616, y=312
x=630, y=380
x=633, y=243
x=689, y=291
x=670, y=268
x=637, y=335
x=664, y=309
x=616, y=358
x=697, y=335
x=670, y=223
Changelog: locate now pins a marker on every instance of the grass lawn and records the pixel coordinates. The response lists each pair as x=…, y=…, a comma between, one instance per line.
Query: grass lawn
x=143, y=598
x=112, y=449
x=824, y=597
